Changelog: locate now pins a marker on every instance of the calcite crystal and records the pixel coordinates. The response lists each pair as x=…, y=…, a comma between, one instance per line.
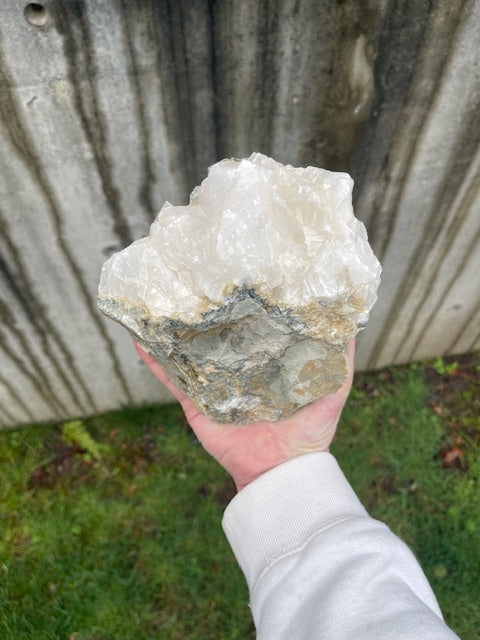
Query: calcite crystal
x=248, y=296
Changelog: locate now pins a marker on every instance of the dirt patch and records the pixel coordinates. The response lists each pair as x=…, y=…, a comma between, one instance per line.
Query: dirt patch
x=455, y=398
x=65, y=462
x=226, y=493
x=70, y=465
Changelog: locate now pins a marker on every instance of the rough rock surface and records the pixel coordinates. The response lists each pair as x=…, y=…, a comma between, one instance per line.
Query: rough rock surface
x=249, y=295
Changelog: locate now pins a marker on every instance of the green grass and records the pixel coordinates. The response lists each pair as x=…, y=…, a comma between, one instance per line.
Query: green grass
x=128, y=545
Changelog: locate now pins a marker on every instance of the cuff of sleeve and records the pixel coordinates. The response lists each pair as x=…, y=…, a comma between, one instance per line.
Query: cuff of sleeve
x=279, y=511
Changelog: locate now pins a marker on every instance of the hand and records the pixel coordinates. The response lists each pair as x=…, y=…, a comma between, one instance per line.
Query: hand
x=248, y=451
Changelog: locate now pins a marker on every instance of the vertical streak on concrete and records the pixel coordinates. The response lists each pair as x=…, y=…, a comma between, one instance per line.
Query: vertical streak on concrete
x=19, y=401
x=39, y=382
x=458, y=222
x=23, y=291
x=463, y=151
x=145, y=195
x=17, y=135
x=82, y=73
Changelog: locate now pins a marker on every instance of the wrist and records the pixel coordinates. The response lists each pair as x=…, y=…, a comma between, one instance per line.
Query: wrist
x=284, y=506
x=243, y=478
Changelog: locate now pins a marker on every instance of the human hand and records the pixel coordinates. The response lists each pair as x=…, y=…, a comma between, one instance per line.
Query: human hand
x=248, y=451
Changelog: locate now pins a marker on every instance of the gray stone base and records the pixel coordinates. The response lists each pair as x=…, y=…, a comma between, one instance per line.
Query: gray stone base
x=245, y=361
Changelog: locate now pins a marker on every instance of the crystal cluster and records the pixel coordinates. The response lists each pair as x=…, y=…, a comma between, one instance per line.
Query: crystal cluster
x=249, y=295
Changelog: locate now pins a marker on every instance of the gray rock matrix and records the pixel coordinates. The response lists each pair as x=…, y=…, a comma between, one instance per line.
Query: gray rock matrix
x=246, y=361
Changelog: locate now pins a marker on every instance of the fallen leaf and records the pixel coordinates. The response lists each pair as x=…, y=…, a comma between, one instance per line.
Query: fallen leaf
x=453, y=459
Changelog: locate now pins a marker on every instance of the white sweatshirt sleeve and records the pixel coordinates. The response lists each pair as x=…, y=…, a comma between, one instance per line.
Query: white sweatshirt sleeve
x=318, y=567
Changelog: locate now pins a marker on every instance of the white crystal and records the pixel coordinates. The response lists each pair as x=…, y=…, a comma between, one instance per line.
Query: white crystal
x=249, y=295
x=289, y=232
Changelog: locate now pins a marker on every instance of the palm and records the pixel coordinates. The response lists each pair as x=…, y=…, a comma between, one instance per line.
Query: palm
x=247, y=452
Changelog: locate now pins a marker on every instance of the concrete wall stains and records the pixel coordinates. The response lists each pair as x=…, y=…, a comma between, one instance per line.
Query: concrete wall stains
x=107, y=109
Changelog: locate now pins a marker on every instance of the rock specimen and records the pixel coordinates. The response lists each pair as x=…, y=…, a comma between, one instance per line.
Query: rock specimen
x=248, y=296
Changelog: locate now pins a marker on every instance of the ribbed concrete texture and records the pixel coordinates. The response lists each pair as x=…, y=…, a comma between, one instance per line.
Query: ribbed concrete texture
x=107, y=109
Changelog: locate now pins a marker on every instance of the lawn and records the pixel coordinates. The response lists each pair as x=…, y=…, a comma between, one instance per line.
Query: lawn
x=110, y=527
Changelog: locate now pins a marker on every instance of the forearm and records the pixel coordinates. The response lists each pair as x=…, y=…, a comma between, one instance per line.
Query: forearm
x=318, y=566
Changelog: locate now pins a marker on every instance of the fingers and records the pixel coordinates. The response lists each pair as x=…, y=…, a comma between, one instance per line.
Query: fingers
x=343, y=392
x=146, y=357
x=351, y=367
x=160, y=373
x=202, y=426
x=149, y=360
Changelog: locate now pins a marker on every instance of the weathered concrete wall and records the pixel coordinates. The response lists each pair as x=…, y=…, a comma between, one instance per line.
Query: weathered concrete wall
x=107, y=109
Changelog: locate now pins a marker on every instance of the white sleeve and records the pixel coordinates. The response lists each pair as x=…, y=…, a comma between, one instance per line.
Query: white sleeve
x=317, y=566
